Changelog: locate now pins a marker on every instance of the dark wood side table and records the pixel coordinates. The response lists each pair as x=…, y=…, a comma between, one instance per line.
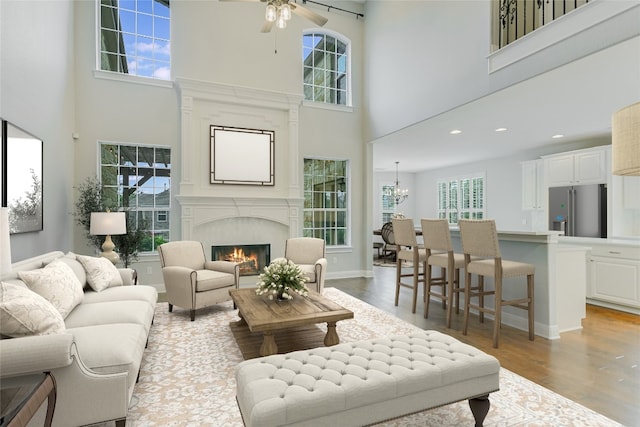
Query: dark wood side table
x=20, y=398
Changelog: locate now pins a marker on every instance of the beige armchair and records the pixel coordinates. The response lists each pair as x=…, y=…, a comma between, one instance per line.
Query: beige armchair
x=191, y=281
x=309, y=254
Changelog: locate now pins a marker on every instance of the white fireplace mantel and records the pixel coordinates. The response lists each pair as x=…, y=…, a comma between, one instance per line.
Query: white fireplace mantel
x=208, y=211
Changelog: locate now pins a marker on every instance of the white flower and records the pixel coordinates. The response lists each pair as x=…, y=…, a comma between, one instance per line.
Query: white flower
x=282, y=277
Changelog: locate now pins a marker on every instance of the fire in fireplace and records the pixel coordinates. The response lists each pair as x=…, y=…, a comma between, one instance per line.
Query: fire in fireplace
x=251, y=258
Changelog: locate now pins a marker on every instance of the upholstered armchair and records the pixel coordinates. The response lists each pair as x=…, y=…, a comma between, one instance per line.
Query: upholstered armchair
x=309, y=254
x=191, y=281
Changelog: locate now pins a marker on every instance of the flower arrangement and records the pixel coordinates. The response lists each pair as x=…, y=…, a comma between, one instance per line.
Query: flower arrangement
x=281, y=279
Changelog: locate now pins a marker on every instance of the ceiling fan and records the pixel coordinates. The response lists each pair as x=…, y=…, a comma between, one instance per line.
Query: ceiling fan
x=278, y=12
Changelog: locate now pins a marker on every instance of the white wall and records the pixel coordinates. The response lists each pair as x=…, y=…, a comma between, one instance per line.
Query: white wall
x=221, y=42
x=427, y=57
x=37, y=95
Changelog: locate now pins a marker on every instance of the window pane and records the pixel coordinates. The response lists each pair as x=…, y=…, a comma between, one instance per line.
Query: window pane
x=322, y=61
x=139, y=32
x=325, y=205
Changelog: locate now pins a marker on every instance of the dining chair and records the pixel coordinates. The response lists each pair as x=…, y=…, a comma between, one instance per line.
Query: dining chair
x=410, y=255
x=439, y=253
x=480, y=239
x=390, y=247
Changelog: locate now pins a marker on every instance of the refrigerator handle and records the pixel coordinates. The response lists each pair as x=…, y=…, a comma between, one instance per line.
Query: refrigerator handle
x=572, y=212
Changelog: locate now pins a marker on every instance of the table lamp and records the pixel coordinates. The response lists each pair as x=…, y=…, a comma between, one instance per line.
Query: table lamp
x=107, y=224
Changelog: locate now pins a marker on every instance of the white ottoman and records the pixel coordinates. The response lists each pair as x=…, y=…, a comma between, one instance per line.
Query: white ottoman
x=365, y=382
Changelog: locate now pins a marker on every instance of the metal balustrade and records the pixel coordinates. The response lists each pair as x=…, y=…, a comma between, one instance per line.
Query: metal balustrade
x=513, y=19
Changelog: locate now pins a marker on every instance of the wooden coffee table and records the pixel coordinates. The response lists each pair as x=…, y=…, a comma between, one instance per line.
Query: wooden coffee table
x=268, y=316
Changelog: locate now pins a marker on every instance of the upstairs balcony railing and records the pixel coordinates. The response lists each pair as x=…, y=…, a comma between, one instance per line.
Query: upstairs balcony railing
x=514, y=19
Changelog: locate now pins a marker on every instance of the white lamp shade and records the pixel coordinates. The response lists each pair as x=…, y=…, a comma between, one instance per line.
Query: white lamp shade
x=5, y=242
x=625, y=141
x=108, y=223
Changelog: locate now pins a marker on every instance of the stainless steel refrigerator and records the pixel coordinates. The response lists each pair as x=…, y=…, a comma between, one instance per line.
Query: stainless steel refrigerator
x=579, y=210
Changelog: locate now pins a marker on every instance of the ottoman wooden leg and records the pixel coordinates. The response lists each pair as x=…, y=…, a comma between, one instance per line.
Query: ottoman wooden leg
x=479, y=408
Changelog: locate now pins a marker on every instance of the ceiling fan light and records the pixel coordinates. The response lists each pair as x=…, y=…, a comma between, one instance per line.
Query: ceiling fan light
x=285, y=10
x=270, y=14
x=281, y=22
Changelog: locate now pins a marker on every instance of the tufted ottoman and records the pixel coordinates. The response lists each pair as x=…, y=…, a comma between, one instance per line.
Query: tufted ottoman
x=365, y=382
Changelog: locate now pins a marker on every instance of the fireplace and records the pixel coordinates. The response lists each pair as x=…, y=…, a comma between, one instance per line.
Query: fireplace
x=251, y=258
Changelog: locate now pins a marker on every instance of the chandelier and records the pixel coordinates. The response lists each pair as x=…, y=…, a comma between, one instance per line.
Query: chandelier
x=278, y=11
x=398, y=194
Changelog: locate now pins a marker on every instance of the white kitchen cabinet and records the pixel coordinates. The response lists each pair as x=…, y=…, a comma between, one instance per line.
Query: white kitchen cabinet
x=631, y=192
x=533, y=197
x=587, y=166
x=615, y=275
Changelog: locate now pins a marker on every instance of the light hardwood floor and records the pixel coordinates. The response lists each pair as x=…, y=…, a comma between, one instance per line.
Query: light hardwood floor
x=598, y=366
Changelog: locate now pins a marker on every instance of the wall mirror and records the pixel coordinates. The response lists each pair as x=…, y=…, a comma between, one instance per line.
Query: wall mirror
x=21, y=178
x=242, y=156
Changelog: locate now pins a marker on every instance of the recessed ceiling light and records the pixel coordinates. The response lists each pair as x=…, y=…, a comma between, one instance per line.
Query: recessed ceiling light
x=455, y=132
x=501, y=129
x=556, y=136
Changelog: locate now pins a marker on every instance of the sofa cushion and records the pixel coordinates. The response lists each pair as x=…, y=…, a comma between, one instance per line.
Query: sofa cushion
x=101, y=273
x=25, y=313
x=123, y=293
x=111, y=348
x=110, y=312
x=56, y=283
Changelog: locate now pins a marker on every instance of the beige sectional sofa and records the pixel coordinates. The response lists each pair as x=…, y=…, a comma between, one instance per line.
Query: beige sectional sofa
x=95, y=354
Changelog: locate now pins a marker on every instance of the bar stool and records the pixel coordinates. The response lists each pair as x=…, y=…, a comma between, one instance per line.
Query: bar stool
x=480, y=238
x=408, y=250
x=439, y=251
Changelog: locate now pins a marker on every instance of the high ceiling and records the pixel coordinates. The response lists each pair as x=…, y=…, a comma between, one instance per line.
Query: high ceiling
x=575, y=100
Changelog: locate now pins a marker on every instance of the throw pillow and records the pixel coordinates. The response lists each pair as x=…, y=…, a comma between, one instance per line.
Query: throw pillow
x=57, y=283
x=70, y=259
x=24, y=313
x=101, y=273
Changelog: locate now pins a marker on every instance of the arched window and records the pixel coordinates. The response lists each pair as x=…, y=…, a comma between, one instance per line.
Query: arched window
x=326, y=67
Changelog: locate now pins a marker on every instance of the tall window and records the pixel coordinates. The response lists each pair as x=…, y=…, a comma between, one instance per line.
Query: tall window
x=326, y=68
x=326, y=201
x=135, y=37
x=461, y=198
x=137, y=179
x=388, y=203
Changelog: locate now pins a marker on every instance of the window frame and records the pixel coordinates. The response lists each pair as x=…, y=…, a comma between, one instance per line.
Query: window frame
x=453, y=212
x=157, y=64
x=348, y=105
x=147, y=212
x=313, y=231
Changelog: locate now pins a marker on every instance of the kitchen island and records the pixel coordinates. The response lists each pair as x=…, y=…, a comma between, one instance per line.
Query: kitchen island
x=560, y=277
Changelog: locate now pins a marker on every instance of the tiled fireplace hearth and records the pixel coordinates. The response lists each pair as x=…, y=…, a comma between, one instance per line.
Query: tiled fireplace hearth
x=252, y=259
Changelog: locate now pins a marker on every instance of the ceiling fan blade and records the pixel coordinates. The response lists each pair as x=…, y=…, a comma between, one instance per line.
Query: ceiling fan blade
x=266, y=27
x=308, y=14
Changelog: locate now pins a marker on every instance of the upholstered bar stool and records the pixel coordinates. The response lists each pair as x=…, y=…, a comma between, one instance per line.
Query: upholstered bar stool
x=480, y=238
x=439, y=252
x=408, y=251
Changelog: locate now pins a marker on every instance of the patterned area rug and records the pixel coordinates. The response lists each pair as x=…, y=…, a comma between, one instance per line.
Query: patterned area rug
x=187, y=376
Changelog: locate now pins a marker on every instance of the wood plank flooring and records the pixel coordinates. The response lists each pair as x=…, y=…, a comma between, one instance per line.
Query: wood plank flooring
x=598, y=366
